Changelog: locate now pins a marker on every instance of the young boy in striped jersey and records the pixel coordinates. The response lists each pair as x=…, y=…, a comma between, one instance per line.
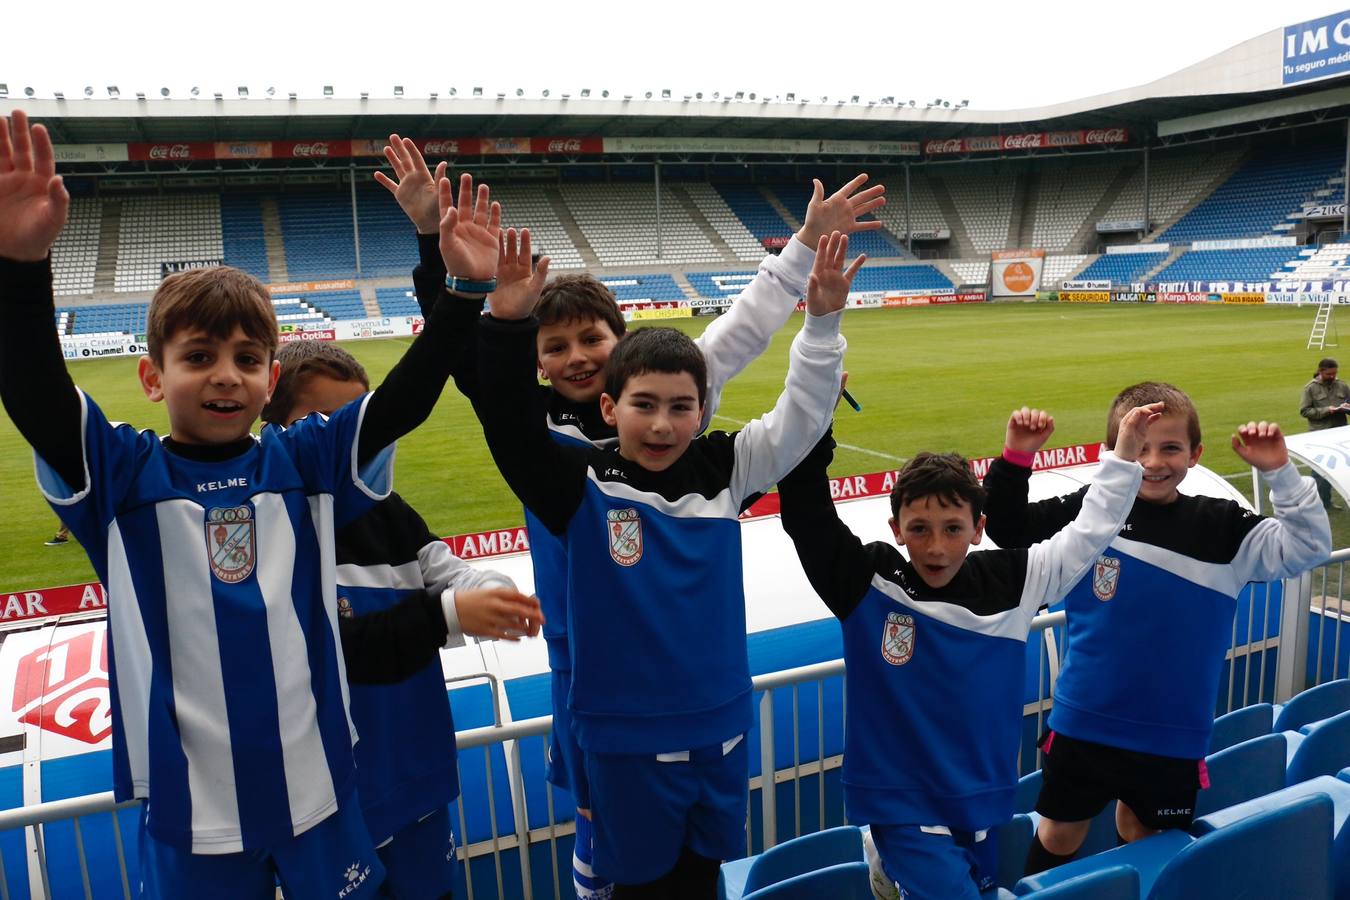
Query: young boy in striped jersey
x=406, y=763
x=652, y=540
x=1150, y=627
x=935, y=646
x=229, y=705
x=579, y=325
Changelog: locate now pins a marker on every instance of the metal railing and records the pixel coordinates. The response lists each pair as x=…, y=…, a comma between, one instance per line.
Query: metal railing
x=1300, y=619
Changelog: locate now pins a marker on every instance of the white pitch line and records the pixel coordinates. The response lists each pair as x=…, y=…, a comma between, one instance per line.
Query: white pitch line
x=856, y=449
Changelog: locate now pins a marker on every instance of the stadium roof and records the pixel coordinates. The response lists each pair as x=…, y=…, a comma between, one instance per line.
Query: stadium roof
x=1249, y=82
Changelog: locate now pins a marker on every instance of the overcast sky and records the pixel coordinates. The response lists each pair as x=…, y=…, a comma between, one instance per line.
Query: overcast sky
x=997, y=55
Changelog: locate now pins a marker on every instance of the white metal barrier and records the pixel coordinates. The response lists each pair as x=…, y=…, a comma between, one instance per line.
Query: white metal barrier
x=1316, y=594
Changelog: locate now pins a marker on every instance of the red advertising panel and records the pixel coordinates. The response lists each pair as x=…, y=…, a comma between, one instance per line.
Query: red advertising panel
x=1035, y=140
x=311, y=149
x=182, y=151
x=243, y=150
x=949, y=145
x=504, y=146
x=590, y=145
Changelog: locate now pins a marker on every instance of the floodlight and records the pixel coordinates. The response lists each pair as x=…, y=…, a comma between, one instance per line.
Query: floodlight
x=140, y=95
x=752, y=96
x=219, y=96
x=604, y=94
x=965, y=103
x=740, y=95
x=665, y=93
x=478, y=92
x=585, y=92
x=688, y=97
x=566, y=96
x=328, y=90
x=698, y=96
x=398, y=90
x=271, y=91
x=501, y=95
x=854, y=99
x=937, y=102
x=649, y=95
x=545, y=92
x=627, y=97
x=58, y=95
x=434, y=95
x=291, y=95
x=28, y=92
x=946, y=104
x=195, y=91
x=89, y=90
x=454, y=91
x=716, y=94
x=520, y=92
x=113, y=92
x=243, y=92
x=365, y=95
x=164, y=92
x=911, y=104
x=791, y=98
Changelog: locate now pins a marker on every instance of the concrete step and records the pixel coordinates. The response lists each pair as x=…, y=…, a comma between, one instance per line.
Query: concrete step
x=109, y=229
x=779, y=208
x=961, y=246
x=277, y=272
x=573, y=230
x=683, y=198
x=1085, y=240
x=1170, y=258
x=368, y=300
x=1026, y=192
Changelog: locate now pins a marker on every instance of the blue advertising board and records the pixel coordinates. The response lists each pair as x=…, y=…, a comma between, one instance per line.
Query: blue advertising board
x=1316, y=49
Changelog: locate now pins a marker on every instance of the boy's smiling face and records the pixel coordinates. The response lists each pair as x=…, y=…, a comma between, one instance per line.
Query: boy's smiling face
x=1167, y=456
x=656, y=415
x=938, y=534
x=214, y=388
x=572, y=356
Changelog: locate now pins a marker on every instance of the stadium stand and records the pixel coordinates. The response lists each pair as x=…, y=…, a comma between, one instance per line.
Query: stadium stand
x=972, y=271
x=983, y=198
x=1121, y=268
x=243, y=239
x=754, y=211
x=721, y=217
x=1057, y=268
x=1260, y=195
x=720, y=284
x=1064, y=197
x=337, y=305
x=397, y=302
x=1326, y=263
x=297, y=313
x=925, y=215
x=168, y=228
x=619, y=222
x=317, y=230
x=75, y=254
x=117, y=318
x=528, y=206
x=1175, y=180
x=1220, y=265
x=643, y=288
x=876, y=244
x=900, y=278
x=388, y=239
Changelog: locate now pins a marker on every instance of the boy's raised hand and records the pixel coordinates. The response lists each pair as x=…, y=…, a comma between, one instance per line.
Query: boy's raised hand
x=1028, y=429
x=1134, y=430
x=33, y=200
x=840, y=211
x=470, y=231
x=519, y=281
x=827, y=288
x=1261, y=444
x=415, y=189
x=498, y=612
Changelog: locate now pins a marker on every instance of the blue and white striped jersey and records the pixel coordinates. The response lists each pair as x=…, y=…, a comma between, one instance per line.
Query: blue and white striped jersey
x=228, y=688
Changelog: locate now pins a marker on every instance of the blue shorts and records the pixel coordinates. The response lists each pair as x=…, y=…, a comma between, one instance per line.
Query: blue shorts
x=647, y=810
x=334, y=860
x=566, y=769
x=420, y=858
x=935, y=866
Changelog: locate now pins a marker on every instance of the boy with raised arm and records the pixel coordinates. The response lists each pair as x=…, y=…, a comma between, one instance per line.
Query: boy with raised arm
x=935, y=646
x=1150, y=626
x=406, y=762
x=229, y=705
x=579, y=325
x=650, y=531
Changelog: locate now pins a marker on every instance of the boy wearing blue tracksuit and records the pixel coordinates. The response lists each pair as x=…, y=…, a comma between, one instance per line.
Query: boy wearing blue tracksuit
x=935, y=648
x=1150, y=625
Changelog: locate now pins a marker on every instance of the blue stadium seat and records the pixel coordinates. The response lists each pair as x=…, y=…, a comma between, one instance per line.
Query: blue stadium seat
x=1325, y=786
x=1321, y=702
x=1227, y=265
x=1241, y=725
x=1147, y=857
x=1112, y=883
x=849, y=881
x=789, y=859
x=1323, y=749
x=1283, y=851
x=1243, y=772
x=1014, y=840
x=1121, y=268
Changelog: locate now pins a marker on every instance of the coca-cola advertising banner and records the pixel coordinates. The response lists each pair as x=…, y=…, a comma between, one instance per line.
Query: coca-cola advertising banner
x=1036, y=140
x=311, y=149
x=185, y=151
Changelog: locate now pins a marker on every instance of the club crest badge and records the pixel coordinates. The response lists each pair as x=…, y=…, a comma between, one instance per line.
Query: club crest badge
x=625, y=536
x=345, y=608
x=897, y=639
x=1105, y=577
x=231, y=545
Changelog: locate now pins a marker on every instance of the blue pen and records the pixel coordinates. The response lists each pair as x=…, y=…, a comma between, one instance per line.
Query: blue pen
x=851, y=402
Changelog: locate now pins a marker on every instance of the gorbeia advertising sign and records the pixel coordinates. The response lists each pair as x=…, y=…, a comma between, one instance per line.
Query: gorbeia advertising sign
x=1316, y=49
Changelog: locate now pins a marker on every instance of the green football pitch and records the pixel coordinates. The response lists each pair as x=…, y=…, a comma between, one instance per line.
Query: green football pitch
x=927, y=378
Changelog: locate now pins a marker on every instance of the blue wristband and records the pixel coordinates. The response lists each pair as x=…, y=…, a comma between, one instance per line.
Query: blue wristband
x=468, y=286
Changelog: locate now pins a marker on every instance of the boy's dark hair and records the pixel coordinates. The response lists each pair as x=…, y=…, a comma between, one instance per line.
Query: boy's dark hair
x=215, y=301
x=1327, y=363
x=1175, y=403
x=301, y=360
x=655, y=350
x=569, y=298
x=946, y=476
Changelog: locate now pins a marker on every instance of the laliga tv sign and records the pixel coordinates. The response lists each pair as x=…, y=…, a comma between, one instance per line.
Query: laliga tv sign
x=1316, y=49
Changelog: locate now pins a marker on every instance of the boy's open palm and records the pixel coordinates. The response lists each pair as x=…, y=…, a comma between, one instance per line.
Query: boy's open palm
x=414, y=189
x=841, y=210
x=1261, y=444
x=1028, y=429
x=519, y=281
x=33, y=201
x=1134, y=430
x=470, y=231
x=498, y=613
x=827, y=288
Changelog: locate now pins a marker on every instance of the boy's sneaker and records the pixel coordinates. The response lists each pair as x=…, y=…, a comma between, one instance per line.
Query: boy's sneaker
x=57, y=540
x=882, y=886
